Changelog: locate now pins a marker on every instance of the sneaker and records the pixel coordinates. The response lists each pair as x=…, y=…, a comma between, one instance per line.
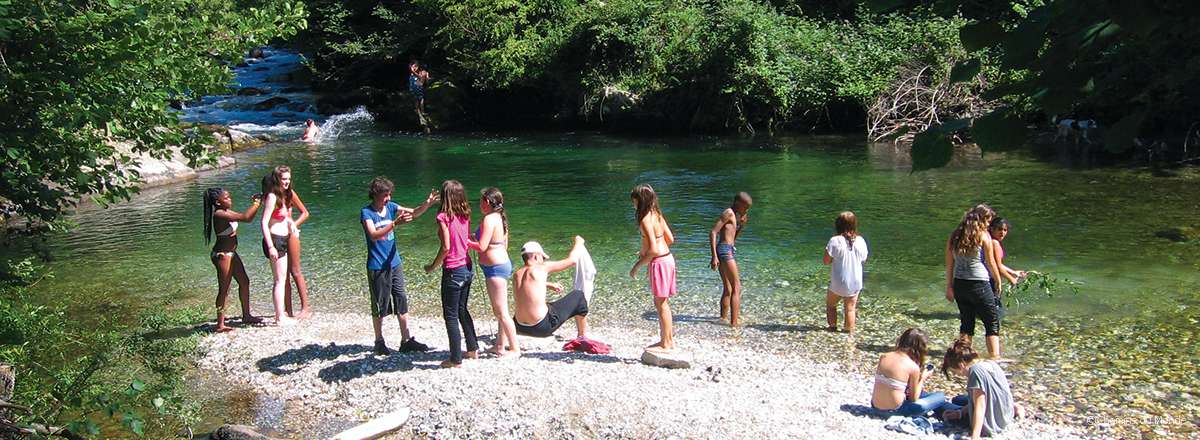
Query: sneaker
x=411, y=345
x=381, y=348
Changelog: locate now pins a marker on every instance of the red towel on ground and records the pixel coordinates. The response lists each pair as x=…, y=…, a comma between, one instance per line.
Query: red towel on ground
x=585, y=345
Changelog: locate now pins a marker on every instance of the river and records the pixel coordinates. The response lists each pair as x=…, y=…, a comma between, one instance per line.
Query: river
x=1131, y=330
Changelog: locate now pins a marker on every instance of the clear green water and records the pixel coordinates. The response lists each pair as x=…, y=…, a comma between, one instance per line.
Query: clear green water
x=1095, y=227
x=1092, y=226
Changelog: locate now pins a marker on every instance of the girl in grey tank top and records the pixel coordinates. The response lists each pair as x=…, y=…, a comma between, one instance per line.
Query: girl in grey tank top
x=971, y=267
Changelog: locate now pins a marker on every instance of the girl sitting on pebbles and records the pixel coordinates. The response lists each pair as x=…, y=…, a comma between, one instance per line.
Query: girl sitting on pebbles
x=453, y=221
x=988, y=407
x=901, y=375
x=656, y=254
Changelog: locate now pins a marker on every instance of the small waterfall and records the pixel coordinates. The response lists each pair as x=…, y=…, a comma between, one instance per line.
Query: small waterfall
x=336, y=124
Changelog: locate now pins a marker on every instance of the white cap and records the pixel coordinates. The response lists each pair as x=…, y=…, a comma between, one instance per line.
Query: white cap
x=533, y=247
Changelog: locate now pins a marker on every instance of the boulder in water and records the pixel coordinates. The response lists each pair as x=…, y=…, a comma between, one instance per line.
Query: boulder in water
x=257, y=52
x=666, y=359
x=239, y=140
x=297, y=107
x=270, y=103
x=238, y=432
x=1179, y=234
x=251, y=91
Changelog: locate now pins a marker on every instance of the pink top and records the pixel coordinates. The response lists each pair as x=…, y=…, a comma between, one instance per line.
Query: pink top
x=456, y=254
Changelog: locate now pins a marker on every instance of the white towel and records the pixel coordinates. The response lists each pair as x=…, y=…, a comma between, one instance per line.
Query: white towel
x=585, y=274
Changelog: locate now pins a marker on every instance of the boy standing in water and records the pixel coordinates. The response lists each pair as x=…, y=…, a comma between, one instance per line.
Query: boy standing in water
x=385, y=277
x=417, y=79
x=721, y=241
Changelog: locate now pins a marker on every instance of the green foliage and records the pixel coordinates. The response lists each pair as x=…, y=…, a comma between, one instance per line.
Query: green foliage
x=1038, y=285
x=1127, y=64
x=703, y=64
x=85, y=373
x=80, y=79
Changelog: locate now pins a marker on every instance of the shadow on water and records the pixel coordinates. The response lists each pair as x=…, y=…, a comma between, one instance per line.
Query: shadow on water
x=652, y=315
x=931, y=316
x=300, y=356
x=786, y=328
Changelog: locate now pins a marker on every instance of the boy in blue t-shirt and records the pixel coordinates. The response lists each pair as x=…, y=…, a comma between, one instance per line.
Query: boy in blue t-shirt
x=384, y=274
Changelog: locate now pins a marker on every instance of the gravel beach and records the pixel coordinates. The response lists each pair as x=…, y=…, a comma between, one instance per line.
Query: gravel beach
x=320, y=377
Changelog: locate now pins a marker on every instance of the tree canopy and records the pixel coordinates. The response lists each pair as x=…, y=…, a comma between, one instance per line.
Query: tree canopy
x=77, y=78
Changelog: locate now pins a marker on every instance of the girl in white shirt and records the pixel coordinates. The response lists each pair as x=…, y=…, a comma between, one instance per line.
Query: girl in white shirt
x=845, y=253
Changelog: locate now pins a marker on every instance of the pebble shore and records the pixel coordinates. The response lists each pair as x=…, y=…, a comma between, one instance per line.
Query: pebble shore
x=320, y=376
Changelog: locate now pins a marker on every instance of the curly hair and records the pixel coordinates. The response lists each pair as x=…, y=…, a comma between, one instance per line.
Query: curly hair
x=968, y=237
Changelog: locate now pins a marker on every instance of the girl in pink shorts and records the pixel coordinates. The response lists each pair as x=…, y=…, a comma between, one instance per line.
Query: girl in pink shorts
x=656, y=254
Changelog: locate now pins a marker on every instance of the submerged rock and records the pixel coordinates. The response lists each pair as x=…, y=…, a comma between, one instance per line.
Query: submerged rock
x=239, y=140
x=250, y=91
x=270, y=103
x=1179, y=234
x=238, y=432
x=668, y=359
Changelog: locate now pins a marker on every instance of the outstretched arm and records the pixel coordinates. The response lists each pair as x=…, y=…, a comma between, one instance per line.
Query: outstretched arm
x=569, y=262
x=234, y=216
x=429, y=201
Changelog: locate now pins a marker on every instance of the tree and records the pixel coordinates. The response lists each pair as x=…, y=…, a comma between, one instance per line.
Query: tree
x=1127, y=63
x=79, y=77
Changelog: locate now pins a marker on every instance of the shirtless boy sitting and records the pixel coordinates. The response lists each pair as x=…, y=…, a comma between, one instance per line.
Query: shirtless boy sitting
x=535, y=317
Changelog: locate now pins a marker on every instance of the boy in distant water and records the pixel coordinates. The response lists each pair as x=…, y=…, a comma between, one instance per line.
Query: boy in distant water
x=722, y=239
x=385, y=277
x=418, y=78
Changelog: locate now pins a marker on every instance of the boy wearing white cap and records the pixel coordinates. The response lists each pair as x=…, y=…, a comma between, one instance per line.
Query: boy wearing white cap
x=535, y=317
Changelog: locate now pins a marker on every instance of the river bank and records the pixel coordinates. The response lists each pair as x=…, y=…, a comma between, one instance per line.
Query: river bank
x=743, y=384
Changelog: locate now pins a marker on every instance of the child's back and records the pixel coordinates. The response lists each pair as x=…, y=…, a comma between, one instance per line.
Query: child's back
x=847, y=266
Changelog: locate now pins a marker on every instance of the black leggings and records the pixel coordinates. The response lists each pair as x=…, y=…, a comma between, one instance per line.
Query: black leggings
x=975, y=299
x=456, y=288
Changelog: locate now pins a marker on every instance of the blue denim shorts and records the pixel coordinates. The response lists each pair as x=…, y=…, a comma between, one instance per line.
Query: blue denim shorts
x=502, y=270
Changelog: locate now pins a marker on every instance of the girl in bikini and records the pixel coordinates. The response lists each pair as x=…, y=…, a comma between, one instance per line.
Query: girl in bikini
x=219, y=215
x=276, y=229
x=492, y=247
x=656, y=254
x=293, y=254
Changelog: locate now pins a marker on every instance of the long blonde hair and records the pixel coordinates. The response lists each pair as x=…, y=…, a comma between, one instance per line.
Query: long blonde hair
x=454, y=199
x=968, y=237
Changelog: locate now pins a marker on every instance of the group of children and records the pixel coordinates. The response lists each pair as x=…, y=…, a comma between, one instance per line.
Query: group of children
x=974, y=261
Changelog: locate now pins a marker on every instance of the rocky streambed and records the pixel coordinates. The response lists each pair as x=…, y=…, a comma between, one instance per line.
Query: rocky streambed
x=321, y=377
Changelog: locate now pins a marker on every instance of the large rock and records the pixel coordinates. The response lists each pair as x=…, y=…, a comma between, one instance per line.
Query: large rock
x=240, y=140
x=238, y=432
x=667, y=359
x=270, y=103
x=1179, y=234
x=250, y=91
x=257, y=52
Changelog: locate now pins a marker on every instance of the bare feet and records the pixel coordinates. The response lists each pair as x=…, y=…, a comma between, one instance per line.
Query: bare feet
x=471, y=355
x=509, y=354
x=284, y=321
x=249, y=319
x=832, y=329
x=658, y=347
x=496, y=350
x=304, y=314
x=448, y=364
x=221, y=328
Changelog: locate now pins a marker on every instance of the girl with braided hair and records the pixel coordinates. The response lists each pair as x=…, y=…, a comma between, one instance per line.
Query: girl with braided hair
x=219, y=215
x=491, y=243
